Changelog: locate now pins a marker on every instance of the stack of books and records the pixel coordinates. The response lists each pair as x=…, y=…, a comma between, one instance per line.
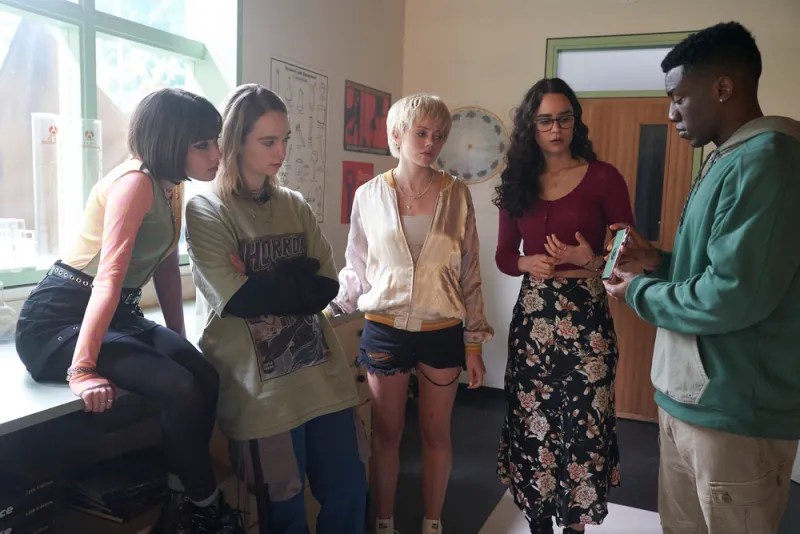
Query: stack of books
x=120, y=488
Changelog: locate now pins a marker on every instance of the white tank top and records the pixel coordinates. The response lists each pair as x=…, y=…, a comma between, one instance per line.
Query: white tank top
x=415, y=228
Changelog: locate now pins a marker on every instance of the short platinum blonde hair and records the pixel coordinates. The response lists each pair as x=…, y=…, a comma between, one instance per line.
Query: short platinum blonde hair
x=410, y=109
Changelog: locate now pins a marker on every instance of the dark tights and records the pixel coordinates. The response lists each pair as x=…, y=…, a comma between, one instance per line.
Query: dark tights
x=163, y=367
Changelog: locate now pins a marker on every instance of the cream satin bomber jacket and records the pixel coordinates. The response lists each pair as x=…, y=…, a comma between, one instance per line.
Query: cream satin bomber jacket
x=380, y=277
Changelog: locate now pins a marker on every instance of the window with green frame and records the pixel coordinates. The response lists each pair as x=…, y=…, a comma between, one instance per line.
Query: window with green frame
x=71, y=72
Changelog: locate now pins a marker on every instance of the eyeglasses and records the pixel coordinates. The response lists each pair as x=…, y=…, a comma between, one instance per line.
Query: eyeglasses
x=545, y=124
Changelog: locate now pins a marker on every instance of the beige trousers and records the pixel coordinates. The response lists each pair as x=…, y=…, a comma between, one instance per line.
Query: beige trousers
x=714, y=482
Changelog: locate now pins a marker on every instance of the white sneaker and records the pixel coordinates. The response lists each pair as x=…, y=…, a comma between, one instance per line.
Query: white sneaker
x=431, y=526
x=385, y=526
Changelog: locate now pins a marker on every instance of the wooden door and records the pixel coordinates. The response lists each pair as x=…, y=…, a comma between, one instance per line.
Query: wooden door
x=635, y=135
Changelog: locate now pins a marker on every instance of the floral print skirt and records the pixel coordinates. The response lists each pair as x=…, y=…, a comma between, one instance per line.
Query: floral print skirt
x=558, y=451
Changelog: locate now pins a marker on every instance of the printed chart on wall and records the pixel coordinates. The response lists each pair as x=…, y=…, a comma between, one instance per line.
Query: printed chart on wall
x=306, y=95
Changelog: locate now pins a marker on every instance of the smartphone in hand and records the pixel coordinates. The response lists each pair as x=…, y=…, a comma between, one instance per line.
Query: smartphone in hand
x=613, y=256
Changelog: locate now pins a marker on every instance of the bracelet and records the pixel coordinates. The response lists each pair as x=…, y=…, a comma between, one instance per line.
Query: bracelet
x=589, y=261
x=75, y=371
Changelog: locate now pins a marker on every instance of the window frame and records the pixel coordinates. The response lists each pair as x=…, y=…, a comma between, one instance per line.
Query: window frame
x=89, y=21
x=555, y=45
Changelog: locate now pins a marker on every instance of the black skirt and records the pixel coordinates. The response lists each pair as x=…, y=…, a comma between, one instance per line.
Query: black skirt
x=558, y=450
x=53, y=313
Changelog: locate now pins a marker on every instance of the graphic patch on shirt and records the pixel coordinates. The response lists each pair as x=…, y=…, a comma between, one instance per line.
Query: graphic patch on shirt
x=283, y=344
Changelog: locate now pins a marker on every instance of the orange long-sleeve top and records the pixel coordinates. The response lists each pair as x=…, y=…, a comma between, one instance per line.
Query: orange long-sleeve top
x=130, y=224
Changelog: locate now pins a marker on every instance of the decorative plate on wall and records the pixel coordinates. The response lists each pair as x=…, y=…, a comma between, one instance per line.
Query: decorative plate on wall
x=476, y=146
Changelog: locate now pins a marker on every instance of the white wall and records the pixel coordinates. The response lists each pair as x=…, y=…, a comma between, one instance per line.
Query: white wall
x=474, y=52
x=357, y=40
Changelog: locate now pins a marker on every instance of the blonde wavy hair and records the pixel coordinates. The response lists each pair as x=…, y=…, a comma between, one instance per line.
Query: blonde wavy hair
x=243, y=107
x=410, y=109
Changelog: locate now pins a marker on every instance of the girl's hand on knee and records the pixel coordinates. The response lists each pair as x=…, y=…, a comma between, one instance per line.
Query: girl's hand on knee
x=475, y=370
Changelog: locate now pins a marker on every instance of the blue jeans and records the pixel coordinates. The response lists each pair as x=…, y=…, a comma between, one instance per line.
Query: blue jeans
x=326, y=450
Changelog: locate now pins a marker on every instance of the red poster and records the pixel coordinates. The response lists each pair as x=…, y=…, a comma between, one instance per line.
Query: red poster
x=354, y=174
x=365, y=111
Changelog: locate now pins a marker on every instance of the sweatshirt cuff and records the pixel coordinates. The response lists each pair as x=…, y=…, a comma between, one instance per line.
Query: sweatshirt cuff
x=637, y=285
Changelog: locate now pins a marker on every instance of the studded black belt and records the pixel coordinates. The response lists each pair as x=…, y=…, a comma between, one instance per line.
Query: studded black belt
x=129, y=297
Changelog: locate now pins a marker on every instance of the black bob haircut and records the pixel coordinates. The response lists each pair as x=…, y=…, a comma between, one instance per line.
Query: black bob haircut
x=162, y=127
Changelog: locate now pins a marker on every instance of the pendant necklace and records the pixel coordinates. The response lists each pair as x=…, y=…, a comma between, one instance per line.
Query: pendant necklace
x=410, y=199
x=259, y=197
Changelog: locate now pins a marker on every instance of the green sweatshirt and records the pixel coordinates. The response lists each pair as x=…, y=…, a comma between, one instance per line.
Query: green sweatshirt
x=727, y=300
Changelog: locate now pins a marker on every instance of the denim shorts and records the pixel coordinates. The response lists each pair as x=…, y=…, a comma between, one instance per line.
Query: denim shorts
x=440, y=349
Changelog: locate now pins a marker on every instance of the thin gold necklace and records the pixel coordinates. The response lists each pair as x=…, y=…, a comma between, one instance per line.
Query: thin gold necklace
x=260, y=195
x=258, y=203
x=412, y=197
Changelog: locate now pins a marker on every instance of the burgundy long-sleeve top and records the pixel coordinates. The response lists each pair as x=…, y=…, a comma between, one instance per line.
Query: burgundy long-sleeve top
x=601, y=198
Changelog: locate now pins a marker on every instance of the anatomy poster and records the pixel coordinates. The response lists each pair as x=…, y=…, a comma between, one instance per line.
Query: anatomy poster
x=306, y=95
x=354, y=174
x=365, y=111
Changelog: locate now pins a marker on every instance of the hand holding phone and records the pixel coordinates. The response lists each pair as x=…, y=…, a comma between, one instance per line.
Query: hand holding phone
x=614, y=255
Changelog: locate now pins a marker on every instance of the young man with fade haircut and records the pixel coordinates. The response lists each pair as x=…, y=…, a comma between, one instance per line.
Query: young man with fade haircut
x=726, y=300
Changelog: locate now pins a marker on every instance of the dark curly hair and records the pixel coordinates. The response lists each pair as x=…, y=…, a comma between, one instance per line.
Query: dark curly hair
x=727, y=45
x=519, y=185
